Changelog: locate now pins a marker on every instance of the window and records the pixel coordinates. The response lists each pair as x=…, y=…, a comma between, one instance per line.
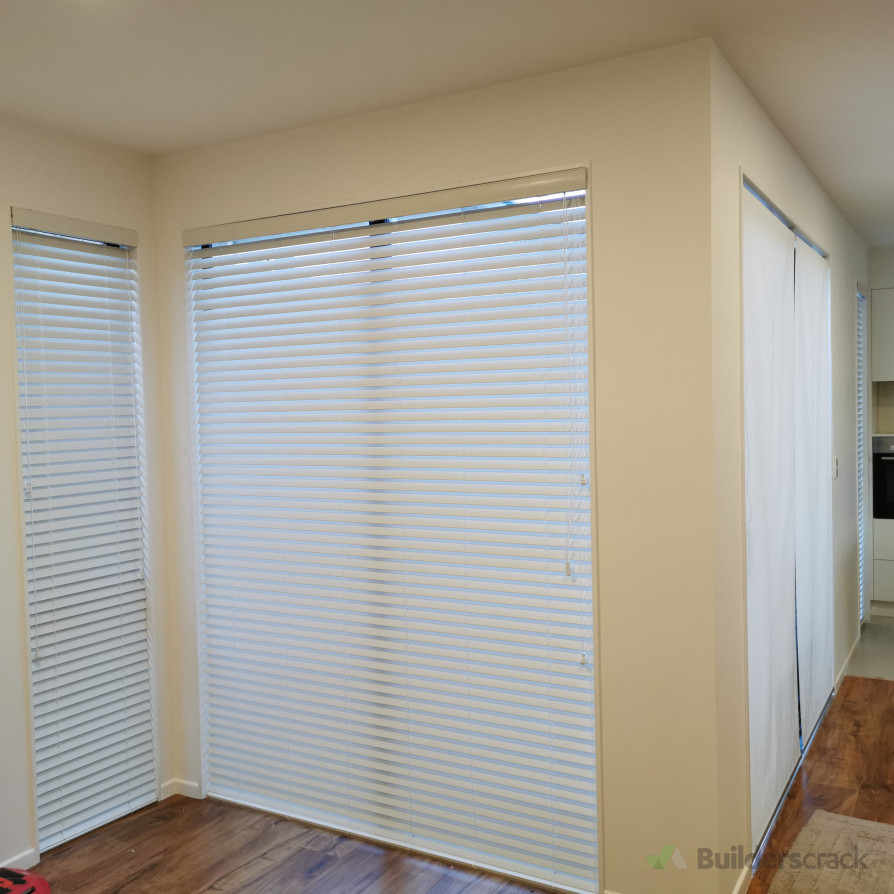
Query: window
x=85, y=535
x=864, y=439
x=393, y=479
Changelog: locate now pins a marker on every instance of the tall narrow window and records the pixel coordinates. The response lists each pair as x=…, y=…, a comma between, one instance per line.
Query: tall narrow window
x=394, y=486
x=84, y=490
x=863, y=444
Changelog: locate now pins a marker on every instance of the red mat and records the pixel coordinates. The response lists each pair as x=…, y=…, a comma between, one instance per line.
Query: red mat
x=17, y=881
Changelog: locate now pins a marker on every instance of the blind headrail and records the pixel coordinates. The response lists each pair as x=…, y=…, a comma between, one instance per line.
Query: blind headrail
x=41, y=222
x=402, y=206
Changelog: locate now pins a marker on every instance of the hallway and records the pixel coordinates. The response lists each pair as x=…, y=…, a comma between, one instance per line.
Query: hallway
x=874, y=656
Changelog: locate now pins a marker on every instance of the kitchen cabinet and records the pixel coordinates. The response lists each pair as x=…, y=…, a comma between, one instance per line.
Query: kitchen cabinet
x=883, y=560
x=882, y=580
x=883, y=538
x=883, y=335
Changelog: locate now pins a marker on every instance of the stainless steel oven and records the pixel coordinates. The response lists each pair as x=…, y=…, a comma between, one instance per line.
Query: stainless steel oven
x=883, y=476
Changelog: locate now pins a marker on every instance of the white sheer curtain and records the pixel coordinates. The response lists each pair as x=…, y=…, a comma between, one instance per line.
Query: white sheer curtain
x=813, y=484
x=769, y=326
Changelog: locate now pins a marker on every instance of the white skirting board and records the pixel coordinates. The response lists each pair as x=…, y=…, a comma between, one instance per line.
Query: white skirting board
x=25, y=860
x=744, y=881
x=180, y=787
x=847, y=661
x=740, y=888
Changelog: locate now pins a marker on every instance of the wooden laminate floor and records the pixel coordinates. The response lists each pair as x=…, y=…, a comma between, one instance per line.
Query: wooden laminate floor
x=184, y=846
x=849, y=768
x=192, y=847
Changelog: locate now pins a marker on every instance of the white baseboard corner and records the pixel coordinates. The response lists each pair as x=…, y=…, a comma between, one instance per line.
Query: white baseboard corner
x=882, y=610
x=26, y=860
x=744, y=881
x=847, y=662
x=180, y=787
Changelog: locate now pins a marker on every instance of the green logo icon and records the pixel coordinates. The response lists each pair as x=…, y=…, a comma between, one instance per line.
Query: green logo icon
x=669, y=854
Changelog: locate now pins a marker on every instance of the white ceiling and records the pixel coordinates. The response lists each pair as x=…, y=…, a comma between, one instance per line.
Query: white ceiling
x=162, y=75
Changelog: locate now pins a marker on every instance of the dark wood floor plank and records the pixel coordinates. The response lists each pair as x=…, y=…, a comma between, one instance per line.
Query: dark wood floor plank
x=123, y=850
x=209, y=847
x=239, y=842
x=247, y=871
x=848, y=770
x=401, y=876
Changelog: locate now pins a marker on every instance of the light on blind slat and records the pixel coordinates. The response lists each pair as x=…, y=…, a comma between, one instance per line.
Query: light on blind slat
x=109, y=758
x=85, y=748
x=71, y=709
x=93, y=679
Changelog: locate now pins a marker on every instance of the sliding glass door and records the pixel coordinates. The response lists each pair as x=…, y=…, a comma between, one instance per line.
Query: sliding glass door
x=788, y=497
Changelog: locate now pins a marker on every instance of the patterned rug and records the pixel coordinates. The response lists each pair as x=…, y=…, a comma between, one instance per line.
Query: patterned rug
x=836, y=854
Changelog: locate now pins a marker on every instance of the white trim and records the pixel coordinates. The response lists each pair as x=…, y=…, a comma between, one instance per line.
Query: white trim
x=8, y=252
x=847, y=661
x=25, y=860
x=180, y=787
x=598, y=675
x=27, y=219
x=400, y=206
x=882, y=610
x=743, y=882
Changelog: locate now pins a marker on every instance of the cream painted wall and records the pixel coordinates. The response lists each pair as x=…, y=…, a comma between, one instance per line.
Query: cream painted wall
x=641, y=125
x=50, y=171
x=881, y=268
x=744, y=140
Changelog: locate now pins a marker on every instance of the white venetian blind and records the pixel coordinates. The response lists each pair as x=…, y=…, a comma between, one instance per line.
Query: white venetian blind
x=863, y=443
x=81, y=427
x=393, y=456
